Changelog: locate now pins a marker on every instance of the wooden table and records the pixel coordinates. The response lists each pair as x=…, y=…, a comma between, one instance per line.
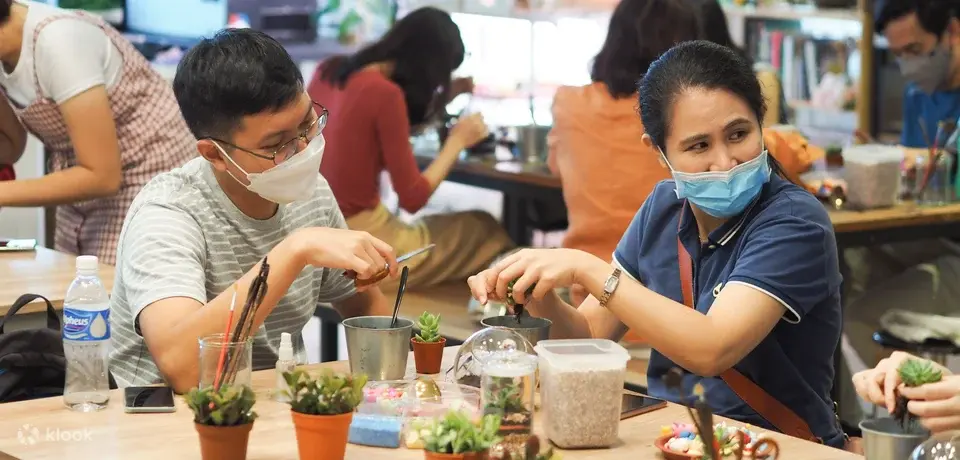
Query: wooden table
x=45, y=272
x=112, y=434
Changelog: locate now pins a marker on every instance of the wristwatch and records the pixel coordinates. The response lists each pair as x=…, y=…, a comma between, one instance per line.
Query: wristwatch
x=609, y=286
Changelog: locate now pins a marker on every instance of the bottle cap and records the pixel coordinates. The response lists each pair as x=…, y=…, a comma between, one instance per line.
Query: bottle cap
x=87, y=264
x=286, y=347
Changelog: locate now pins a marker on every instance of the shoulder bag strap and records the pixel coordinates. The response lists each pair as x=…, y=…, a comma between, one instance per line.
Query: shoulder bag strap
x=53, y=321
x=779, y=415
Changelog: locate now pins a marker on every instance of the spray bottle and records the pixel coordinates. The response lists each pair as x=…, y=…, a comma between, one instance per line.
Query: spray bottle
x=286, y=363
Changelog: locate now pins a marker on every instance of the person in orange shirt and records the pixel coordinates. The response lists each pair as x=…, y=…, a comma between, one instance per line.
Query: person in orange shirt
x=594, y=145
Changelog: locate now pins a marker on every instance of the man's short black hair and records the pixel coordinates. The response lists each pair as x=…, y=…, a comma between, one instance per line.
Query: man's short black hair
x=236, y=73
x=933, y=15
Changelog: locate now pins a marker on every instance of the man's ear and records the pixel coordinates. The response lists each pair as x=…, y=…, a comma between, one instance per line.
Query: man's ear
x=211, y=152
x=648, y=143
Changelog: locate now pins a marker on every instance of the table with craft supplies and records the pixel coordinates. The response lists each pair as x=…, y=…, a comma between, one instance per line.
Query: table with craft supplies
x=42, y=271
x=44, y=428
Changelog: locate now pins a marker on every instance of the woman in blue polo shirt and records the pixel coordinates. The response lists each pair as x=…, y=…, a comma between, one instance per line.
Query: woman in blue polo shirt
x=757, y=252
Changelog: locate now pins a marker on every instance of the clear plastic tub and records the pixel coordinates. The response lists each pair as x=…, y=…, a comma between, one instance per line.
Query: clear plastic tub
x=398, y=398
x=581, y=388
x=872, y=174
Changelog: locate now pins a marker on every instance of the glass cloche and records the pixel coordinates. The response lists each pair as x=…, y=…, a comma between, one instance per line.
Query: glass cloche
x=480, y=347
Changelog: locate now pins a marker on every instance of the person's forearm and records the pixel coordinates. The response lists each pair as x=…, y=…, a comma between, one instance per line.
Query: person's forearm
x=440, y=167
x=690, y=339
x=62, y=187
x=176, y=350
x=568, y=321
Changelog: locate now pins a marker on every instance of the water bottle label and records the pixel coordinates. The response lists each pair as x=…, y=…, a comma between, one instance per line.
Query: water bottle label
x=83, y=325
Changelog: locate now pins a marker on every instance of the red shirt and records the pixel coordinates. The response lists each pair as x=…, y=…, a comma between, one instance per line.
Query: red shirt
x=368, y=132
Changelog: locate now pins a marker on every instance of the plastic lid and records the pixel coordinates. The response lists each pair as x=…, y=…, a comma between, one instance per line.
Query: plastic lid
x=510, y=362
x=286, y=347
x=583, y=354
x=87, y=264
x=873, y=154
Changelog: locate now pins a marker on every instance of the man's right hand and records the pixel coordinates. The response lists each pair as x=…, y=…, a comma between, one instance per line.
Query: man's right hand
x=352, y=250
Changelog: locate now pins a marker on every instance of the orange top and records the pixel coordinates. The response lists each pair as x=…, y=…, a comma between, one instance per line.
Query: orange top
x=607, y=172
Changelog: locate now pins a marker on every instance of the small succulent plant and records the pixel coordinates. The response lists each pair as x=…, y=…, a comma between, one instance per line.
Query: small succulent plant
x=329, y=393
x=455, y=433
x=228, y=406
x=913, y=373
x=506, y=398
x=429, y=325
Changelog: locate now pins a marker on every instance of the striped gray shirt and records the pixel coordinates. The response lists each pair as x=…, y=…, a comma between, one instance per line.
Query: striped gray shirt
x=183, y=237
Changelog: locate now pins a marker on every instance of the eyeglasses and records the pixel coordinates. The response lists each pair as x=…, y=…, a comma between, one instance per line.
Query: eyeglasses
x=291, y=147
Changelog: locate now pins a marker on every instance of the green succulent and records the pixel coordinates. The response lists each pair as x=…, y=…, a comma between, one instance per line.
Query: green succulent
x=429, y=325
x=506, y=398
x=329, y=393
x=228, y=406
x=510, y=300
x=916, y=372
x=913, y=373
x=455, y=433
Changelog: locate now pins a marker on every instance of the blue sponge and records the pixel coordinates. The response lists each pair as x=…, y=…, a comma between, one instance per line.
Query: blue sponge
x=375, y=430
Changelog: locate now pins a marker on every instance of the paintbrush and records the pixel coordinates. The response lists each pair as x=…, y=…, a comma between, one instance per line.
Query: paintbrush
x=673, y=379
x=255, y=296
x=226, y=336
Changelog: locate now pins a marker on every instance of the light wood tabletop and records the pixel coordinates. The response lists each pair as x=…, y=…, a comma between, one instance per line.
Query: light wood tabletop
x=899, y=216
x=46, y=429
x=43, y=271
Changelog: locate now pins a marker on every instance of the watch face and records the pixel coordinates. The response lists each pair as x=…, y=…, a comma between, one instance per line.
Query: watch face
x=611, y=284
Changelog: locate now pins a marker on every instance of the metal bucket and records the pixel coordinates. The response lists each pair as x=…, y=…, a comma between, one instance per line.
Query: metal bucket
x=884, y=439
x=376, y=349
x=531, y=328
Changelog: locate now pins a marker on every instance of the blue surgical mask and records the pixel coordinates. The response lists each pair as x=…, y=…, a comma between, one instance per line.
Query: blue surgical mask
x=723, y=194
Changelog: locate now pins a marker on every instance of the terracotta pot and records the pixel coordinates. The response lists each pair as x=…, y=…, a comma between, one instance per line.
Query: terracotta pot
x=428, y=355
x=322, y=437
x=223, y=442
x=427, y=455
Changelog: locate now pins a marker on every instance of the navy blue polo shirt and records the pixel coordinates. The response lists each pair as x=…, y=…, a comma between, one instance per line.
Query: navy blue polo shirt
x=783, y=245
x=932, y=108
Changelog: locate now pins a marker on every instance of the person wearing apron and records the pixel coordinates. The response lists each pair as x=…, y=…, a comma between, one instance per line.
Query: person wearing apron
x=108, y=121
x=376, y=98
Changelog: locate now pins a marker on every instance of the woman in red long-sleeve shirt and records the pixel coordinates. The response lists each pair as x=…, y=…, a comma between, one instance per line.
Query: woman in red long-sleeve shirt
x=374, y=98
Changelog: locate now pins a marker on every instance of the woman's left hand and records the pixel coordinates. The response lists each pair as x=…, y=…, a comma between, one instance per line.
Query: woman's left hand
x=545, y=268
x=936, y=404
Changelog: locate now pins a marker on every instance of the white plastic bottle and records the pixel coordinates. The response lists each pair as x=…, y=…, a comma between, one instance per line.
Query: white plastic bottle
x=286, y=363
x=86, y=339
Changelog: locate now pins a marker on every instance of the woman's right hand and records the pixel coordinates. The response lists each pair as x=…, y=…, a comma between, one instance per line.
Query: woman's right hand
x=878, y=385
x=469, y=130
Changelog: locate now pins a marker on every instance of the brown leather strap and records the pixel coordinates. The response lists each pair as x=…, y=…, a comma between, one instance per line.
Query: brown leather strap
x=760, y=401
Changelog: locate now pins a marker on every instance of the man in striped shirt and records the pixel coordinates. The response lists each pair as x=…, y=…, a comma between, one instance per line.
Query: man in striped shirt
x=196, y=234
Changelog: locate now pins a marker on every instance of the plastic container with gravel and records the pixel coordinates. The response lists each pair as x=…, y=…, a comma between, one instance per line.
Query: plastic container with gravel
x=873, y=175
x=581, y=388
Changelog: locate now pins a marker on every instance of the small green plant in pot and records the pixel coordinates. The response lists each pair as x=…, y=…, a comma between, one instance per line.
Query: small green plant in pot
x=913, y=373
x=428, y=345
x=456, y=437
x=223, y=418
x=504, y=398
x=322, y=409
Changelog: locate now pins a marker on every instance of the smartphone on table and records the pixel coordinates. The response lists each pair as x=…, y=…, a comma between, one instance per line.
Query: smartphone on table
x=148, y=400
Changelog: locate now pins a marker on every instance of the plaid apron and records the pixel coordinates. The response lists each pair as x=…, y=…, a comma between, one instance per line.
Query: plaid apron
x=152, y=135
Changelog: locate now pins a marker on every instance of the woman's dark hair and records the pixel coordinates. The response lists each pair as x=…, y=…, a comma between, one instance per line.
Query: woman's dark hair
x=694, y=65
x=639, y=32
x=425, y=47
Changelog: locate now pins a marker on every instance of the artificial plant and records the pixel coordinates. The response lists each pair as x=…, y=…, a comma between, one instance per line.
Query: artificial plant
x=329, y=393
x=228, y=406
x=506, y=398
x=429, y=325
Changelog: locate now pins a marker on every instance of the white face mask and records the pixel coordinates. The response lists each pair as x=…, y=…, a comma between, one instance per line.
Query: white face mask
x=293, y=180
